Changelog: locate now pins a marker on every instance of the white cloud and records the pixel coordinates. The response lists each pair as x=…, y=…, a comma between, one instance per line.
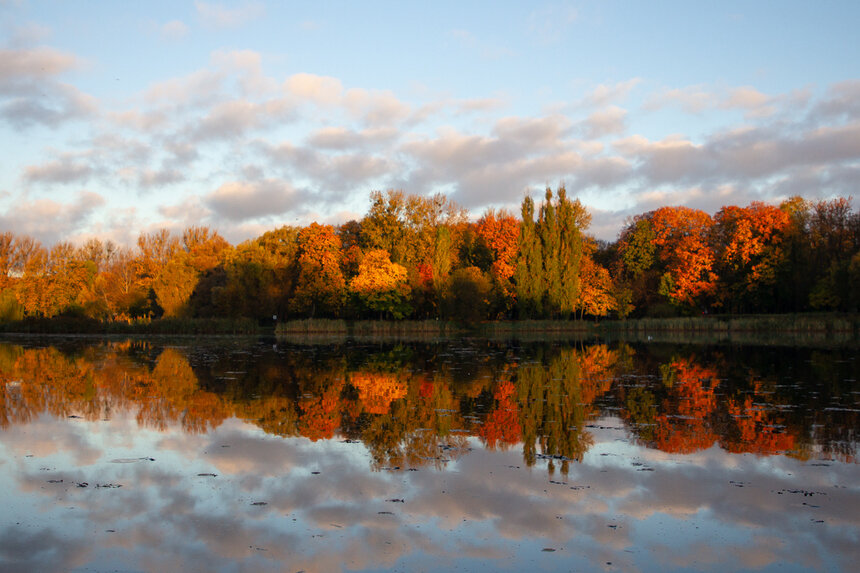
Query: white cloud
x=331, y=173
x=174, y=30
x=342, y=138
x=238, y=201
x=842, y=101
x=64, y=170
x=699, y=99
x=196, y=88
x=232, y=119
x=608, y=121
x=605, y=95
x=31, y=94
x=50, y=221
x=16, y=65
x=29, y=34
x=692, y=99
x=319, y=90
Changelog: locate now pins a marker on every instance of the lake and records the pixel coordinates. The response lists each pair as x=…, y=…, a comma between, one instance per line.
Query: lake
x=245, y=454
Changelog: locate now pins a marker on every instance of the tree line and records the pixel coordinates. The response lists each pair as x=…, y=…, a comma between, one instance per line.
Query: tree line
x=421, y=257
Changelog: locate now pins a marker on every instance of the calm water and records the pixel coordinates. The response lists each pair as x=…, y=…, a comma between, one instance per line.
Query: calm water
x=245, y=455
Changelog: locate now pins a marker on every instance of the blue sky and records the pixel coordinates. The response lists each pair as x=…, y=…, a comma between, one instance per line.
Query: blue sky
x=118, y=117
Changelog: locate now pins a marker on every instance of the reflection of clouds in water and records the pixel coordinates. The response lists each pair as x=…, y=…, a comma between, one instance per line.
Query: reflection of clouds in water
x=47, y=436
x=492, y=508
x=26, y=551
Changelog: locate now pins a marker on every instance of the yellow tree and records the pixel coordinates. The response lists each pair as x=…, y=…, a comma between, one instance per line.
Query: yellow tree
x=206, y=248
x=155, y=250
x=381, y=286
x=174, y=285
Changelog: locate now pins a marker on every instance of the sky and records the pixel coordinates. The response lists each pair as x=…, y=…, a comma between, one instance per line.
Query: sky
x=118, y=118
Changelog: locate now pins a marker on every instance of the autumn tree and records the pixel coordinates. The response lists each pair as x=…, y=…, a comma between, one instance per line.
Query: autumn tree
x=681, y=237
x=748, y=248
x=469, y=296
x=834, y=237
x=596, y=293
x=500, y=231
x=174, y=285
x=54, y=281
x=206, y=248
x=320, y=286
x=381, y=286
x=155, y=249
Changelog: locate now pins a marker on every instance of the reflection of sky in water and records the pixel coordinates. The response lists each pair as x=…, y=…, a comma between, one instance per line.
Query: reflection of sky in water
x=623, y=508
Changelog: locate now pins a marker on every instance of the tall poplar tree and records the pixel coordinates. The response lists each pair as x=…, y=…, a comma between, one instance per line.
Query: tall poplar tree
x=572, y=220
x=529, y=273
x=550, y=241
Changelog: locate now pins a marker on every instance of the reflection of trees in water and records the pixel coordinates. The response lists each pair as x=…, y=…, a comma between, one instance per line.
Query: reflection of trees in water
x=684, y=424
x=419, y=406
x=756, y=401
x=556, y=395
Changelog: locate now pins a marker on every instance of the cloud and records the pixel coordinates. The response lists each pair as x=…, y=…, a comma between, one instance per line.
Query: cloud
x=220, y=16
x=174, y=30
x=17, y=65
x=374, y=108
x=29, y=34
x=30, y=93
x=149, y=178
x=692, y=99
x=331, y=173
x=50, y=221
x=607, y=121
x=247, y=66
x=605, y=95
x=748, y=154
x=699, y=99
x=842, y=101
x=238, y=201
x=320, y=90
x=196, y=88
x=65, y=170
x=342, y=138
x=232, y=119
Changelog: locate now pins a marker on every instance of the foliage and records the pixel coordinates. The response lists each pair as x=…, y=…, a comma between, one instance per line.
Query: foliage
x=381, y=285
x=418, y=256
x=468, y=297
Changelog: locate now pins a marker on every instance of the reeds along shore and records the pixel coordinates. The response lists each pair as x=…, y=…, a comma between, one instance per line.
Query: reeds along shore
x=770, y=329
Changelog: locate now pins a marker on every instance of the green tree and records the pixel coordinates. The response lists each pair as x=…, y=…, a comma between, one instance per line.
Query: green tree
x=529, y=273
x=469, y=295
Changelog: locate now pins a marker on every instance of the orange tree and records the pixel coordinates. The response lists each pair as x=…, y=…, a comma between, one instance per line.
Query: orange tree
x=500, y=231
x=681, y=238
x=320, y=285
x=748, y=247
x=381, y=286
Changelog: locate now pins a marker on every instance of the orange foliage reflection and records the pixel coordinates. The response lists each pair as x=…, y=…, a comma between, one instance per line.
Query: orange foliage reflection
x=408, y=415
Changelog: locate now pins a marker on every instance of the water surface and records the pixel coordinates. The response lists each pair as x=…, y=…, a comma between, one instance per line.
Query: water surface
x=243, y=454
